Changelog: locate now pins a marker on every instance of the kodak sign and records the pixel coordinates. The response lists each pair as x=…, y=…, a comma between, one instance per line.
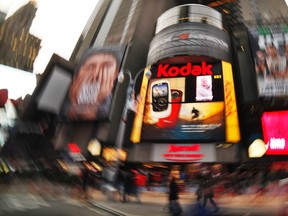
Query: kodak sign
x=164, y=70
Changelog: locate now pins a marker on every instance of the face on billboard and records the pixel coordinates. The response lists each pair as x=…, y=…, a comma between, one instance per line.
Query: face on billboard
x=270, y=59
x=90, y=93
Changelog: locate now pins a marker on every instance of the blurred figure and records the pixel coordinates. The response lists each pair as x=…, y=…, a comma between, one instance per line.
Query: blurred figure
x=207, y=191
x=174, y=205
x=128, y=183
x=261, y=64
x=276, y=63
x=195, y=113
x=85, y=177
x=173, y=190
x=149, y=181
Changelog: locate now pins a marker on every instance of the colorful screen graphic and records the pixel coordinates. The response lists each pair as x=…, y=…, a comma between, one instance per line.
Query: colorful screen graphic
x=194, y=109
x=275, y=132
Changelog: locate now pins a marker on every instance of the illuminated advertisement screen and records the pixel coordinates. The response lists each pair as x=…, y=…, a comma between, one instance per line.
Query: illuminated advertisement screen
x=275, y=132
x=185, y=102
x=270, y=50
x=111, y=154
x=90, y=93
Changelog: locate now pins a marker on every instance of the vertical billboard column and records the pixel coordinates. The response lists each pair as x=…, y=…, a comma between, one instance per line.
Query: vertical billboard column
x=135, y=135
x=231, y=113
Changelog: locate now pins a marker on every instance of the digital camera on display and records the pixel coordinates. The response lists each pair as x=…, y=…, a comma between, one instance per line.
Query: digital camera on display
x=171, y=120
x=160, y=99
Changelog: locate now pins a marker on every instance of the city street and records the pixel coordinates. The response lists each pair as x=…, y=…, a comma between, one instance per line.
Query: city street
x=60, y=200
x=30, y=205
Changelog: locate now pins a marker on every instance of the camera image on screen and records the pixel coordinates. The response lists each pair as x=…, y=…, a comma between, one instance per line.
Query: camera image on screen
x=161, y=98
x=171, y=120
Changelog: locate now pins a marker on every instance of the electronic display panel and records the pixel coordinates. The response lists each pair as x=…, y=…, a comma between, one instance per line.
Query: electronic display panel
x=275, y=132
x=175, y=110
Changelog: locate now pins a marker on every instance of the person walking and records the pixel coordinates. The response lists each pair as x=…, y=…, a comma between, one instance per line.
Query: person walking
x=208, y=193
x=85, y=181
x=174, y=206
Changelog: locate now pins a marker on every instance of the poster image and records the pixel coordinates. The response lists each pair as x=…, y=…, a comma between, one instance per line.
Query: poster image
x=270, y=52
x=90, y=94
x=177, y=109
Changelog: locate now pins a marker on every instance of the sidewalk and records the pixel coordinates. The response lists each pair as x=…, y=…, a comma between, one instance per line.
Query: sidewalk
x=153, y=204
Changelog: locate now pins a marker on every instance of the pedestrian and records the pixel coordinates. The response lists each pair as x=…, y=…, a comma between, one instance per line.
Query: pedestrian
x=208, y=193
x=174, y=205
x=139, y=181
x=85, y=175
x=128, y=183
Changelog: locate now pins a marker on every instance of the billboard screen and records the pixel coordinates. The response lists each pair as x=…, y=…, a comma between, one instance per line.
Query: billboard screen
x=270, y=52
x=275, y=132
x=90, y=93
x=186, y=102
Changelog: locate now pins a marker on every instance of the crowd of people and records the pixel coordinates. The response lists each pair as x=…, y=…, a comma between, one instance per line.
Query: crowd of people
x=212, y=185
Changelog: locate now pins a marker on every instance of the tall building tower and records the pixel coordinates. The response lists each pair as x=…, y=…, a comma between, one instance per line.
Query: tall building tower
x=264, y=11
x=112, y=22
x=18, y=48
x=132, y=23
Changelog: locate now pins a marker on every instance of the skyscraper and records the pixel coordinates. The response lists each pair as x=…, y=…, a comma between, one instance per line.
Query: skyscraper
x=18, y=48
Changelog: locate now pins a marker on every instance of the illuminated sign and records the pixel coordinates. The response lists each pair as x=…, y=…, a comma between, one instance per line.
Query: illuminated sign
x=74, y=148
x=183, y=152
x=112, y=154
x=186, y=70
x=275, y=132
x=184, y=104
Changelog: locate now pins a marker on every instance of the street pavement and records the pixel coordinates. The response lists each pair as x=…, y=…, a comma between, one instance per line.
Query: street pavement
x=33, y=197
x=154, y=203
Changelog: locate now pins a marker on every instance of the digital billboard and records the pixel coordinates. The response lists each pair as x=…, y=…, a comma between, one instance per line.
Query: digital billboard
x=191, y=102
x=90, y=93
x=270, y=51
x=275, y=132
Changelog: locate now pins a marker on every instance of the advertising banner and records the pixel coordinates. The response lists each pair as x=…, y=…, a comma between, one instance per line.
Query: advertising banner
x=275, y=132
x=186, y=102
x=90, y=93
x=270, y=49
x=183, y=153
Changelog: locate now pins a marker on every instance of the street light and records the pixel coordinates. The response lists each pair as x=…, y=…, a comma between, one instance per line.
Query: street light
x=131, y=97
x=130, y=103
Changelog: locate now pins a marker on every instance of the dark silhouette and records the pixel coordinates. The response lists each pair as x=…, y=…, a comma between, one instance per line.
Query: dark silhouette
x=173, y=190
x=174, y=206
x=207, y=191
x=195, y=113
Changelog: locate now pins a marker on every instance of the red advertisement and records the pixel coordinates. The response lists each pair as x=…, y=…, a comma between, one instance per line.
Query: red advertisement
x=275, y=132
